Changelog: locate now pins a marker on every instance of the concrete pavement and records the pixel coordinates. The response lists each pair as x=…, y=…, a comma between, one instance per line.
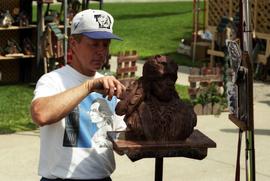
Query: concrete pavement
x=19, y=152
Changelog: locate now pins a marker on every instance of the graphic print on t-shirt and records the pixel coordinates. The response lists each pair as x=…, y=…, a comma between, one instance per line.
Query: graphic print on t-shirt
x=72, y=128
x=87, y=125
x=101, y=114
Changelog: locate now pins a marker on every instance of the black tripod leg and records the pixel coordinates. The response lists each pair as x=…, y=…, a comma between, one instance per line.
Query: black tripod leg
x=237, y=170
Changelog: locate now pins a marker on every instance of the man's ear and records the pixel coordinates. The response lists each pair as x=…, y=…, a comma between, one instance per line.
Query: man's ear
x=72, y=42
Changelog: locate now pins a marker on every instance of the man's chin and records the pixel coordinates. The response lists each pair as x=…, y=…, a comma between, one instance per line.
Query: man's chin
x=97, y=66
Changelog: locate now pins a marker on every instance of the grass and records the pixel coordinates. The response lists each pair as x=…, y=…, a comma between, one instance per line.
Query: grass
x=153, y=28
x=149, y=28
x=14, y=108
x=183, y=93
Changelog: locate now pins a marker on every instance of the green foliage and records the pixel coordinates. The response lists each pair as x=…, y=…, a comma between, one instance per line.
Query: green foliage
x=209, y=94
x=14, y=108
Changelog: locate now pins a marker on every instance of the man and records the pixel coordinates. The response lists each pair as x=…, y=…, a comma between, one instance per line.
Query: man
x=62, y=105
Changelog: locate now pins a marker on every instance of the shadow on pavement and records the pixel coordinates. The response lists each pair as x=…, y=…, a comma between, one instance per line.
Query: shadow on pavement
x=264, y=132
x=265, y=102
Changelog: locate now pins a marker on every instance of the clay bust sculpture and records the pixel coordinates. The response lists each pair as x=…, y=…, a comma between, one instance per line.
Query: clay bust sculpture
x=152, y=108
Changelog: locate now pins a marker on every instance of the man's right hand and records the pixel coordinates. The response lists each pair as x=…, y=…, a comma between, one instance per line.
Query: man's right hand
x=107, y=85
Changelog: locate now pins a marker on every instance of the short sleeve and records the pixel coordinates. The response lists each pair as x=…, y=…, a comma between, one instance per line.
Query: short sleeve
x=46, y=86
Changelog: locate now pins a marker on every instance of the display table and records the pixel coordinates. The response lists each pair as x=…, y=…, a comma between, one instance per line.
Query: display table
x=194, y=147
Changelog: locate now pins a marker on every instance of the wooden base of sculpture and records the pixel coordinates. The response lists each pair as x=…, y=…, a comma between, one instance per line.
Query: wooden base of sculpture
x=195, y=147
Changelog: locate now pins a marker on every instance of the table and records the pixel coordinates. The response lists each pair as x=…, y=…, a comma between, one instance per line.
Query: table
x=194, y=147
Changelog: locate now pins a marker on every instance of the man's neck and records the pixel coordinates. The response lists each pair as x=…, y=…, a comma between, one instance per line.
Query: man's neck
x=88, y=73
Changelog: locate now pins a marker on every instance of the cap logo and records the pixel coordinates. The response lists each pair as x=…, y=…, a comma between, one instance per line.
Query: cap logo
x=103, y=21
x=76, y=25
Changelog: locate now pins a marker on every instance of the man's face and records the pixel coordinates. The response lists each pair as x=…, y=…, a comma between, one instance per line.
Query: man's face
x=163, y=88
x=89, y=55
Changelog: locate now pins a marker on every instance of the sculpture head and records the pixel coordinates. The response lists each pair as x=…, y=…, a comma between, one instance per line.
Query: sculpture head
x=159, y=77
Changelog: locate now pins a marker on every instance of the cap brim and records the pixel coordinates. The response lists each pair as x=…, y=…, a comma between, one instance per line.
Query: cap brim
x=98, y=35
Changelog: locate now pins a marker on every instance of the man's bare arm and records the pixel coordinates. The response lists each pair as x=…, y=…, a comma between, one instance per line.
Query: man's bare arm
x=51, y=109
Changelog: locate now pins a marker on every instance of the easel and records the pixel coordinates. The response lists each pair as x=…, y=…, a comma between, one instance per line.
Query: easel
x=194, y=147
x=244, y=120
x=243, y=115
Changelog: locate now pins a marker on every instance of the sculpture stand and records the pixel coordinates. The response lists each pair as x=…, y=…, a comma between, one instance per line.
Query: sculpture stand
x=195, y=147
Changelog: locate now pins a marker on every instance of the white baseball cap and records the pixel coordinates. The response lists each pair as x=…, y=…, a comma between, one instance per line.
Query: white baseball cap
x=95, y=24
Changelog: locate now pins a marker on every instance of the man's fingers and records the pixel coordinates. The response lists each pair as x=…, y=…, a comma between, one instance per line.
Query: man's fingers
x=110, y=87
x=106, y=85
x=119, y=90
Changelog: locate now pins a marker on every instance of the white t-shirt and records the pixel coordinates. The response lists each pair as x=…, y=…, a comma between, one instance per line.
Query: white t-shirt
x=76, y=147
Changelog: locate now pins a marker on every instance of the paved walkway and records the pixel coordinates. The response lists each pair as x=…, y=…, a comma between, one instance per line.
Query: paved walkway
x=19, y=152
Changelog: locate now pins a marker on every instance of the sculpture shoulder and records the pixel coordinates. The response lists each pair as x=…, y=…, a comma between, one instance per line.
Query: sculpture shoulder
x=133, y=96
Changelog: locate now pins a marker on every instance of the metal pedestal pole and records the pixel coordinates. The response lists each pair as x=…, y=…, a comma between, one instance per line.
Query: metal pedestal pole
x=159, y=169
